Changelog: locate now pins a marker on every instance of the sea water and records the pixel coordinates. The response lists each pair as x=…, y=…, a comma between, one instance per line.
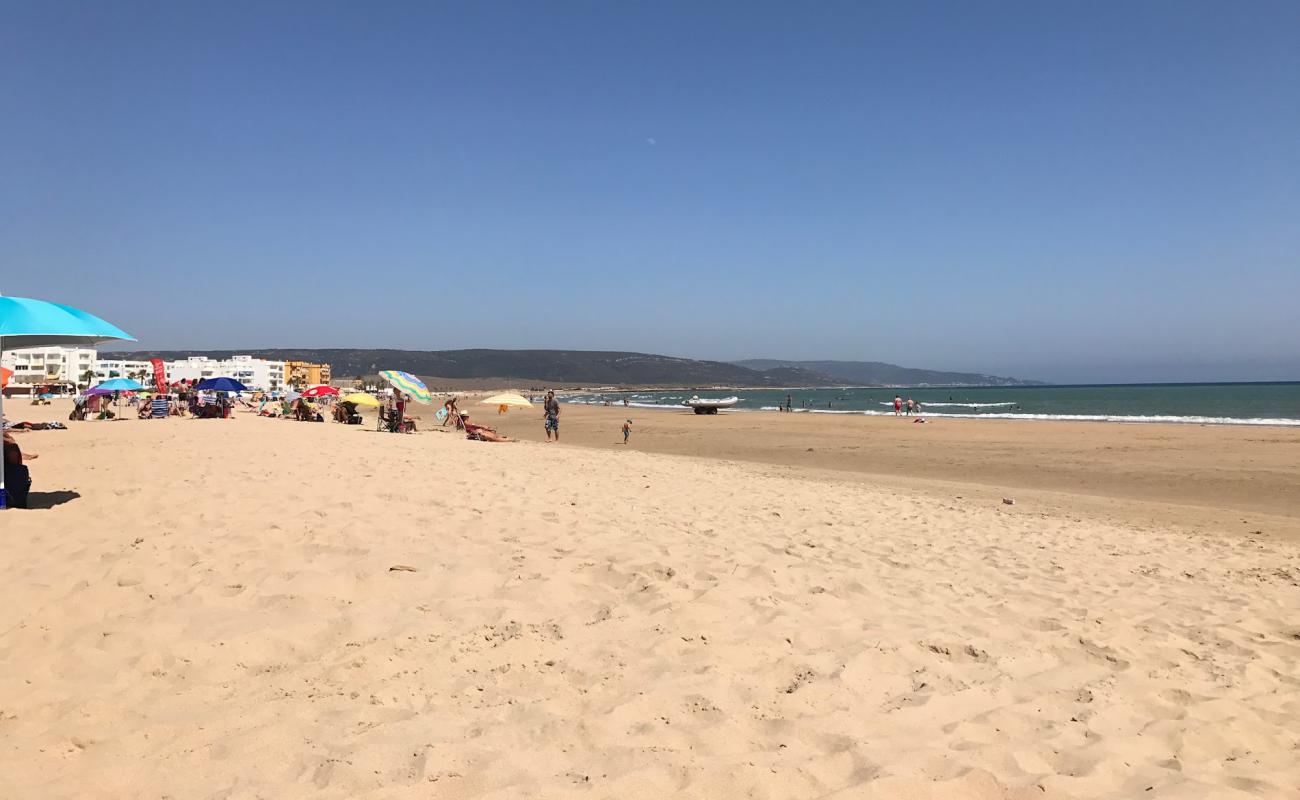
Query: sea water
x=1200, y=403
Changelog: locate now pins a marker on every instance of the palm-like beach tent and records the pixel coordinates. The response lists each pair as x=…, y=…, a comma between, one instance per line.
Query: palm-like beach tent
x=38, y=323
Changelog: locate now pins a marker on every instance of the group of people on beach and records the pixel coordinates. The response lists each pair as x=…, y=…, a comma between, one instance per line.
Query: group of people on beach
x=912, y=406
x=452, y=415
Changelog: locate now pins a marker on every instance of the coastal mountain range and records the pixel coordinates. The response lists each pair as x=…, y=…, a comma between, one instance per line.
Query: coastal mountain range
x=603, y=368
x=878, y=373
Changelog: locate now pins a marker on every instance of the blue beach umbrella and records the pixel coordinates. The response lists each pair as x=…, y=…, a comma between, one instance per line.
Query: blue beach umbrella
x=120, y=385
x=221, y=385
x=38, y=323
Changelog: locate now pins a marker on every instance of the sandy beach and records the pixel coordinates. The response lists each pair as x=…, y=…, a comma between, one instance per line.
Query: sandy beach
x=761, y=605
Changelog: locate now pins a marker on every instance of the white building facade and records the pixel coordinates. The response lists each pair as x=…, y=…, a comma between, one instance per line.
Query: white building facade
x=71, y=366
x=108, y=368
x=255, y=373
x=50, y=365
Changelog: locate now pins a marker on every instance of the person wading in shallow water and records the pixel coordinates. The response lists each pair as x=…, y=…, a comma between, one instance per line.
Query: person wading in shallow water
x=551, y=415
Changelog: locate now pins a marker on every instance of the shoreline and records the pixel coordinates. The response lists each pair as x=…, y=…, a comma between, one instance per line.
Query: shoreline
x=1152, y=419
x=1198, y=477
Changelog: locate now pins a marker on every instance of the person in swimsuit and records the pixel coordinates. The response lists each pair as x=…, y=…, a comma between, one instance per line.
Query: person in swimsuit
x=551, y=415
x=898, y=405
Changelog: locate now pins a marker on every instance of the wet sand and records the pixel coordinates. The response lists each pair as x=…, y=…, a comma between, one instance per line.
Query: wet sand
x=1211, y=478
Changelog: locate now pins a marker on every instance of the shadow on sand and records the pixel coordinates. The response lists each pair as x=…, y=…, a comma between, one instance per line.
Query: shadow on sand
x=37, y=500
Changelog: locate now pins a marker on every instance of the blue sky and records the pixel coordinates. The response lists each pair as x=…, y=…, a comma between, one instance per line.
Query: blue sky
x=1066, y=191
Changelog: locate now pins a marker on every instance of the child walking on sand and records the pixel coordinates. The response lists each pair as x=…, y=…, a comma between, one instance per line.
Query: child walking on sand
x=627, y=430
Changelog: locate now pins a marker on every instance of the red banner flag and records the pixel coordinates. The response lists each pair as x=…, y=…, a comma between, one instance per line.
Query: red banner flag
x=159, y=375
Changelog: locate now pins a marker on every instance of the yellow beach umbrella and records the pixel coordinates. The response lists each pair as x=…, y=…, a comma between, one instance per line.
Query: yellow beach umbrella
x=507, y=399
x=361, y=399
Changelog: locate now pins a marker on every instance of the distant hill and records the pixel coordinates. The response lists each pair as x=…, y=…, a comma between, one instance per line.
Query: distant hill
x=545, y=367
x=876, y=373
x=593, y=368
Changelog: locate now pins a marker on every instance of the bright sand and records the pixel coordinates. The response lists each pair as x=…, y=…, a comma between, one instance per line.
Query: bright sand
x=214, y=614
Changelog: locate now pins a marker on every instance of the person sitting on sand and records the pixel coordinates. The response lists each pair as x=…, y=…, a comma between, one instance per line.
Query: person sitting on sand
x=18, y=480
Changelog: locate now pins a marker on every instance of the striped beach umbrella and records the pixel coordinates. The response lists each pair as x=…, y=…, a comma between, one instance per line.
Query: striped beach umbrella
x=406, y=383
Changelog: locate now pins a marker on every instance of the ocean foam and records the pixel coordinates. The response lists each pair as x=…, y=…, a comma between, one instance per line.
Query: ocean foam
x=1122, y=418
x=959, y=405
x=1135, y=418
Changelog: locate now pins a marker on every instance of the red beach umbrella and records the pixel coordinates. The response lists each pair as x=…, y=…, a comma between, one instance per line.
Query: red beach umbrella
x=320, y=391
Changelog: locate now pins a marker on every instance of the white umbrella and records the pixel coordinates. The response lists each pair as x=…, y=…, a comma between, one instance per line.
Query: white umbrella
x=507, y=399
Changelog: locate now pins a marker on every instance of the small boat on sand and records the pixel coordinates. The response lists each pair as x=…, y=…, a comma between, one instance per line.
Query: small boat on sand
x=706, y=405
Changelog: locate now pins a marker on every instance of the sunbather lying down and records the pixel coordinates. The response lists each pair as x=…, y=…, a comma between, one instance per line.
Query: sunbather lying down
x=482, y=433
x=37, y=426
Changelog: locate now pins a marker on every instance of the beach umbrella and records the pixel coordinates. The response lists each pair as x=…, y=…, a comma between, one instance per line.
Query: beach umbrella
x=5, y=375
x=116, y=385
x=507, y=399
x=320, y=391
x=407, y=383
x=120, y=385
x=361, y=399
x=25, y=322
x=221, y=385
x=96, y=391
x=290, y=395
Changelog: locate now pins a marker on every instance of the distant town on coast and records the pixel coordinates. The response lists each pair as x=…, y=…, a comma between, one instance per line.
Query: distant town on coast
x=270, y=369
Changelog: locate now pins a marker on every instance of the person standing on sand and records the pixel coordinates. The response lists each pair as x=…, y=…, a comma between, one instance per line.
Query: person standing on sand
x=627, y=430
x=910, y=406
x=898, y=405
x=401, y=411
x=551, y=415
x=453, y=413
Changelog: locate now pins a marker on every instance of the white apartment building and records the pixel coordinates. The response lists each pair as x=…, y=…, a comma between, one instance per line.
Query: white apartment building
x=69, y=365
x=47, y=365
x=106, y=368
x=255, y=373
